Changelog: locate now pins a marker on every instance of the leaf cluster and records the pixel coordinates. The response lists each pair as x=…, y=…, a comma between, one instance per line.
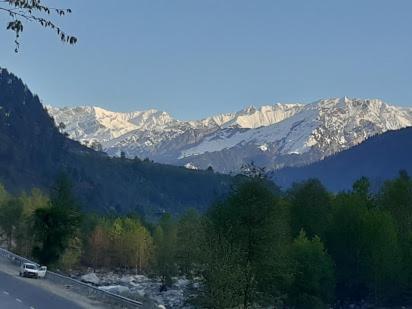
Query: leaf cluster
x=35, y=11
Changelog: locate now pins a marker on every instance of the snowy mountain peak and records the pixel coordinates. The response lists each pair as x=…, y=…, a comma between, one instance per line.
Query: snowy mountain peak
x=271, y=135
x=253, y=117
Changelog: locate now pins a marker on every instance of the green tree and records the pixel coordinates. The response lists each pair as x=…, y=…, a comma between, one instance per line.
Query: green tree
x=164, y=242
x=189, y=238
x=254, y=222
x=138, y=243
x=4, y=195
x=364, y=245
x=396, y=197
x=361, y=194
x=56, y=225
x=72, y=254
x=311, y=208
x=314, y=279
x=25, y=240
x=11, y=213
x=223, y=273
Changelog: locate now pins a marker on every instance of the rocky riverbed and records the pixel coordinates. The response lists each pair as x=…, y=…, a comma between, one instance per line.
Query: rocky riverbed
x=138, y=286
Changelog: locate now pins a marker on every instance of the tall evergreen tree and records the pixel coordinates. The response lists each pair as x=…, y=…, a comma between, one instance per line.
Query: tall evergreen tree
x=55, y=225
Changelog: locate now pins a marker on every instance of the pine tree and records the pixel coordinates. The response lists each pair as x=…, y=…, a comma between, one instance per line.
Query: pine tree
x=54, y=226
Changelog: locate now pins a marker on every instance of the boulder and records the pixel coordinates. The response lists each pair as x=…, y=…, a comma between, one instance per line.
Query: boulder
x=90, y=278
x=116, y=289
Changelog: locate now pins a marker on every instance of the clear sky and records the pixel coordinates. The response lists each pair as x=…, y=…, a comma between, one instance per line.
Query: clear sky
x=194, y=58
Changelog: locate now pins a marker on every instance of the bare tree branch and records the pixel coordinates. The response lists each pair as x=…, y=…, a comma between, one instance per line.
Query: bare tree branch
x=33, y=11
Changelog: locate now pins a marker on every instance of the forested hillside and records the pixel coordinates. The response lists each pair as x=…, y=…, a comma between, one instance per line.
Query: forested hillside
x=378, y=158
x=33, y=152
x=258, y=248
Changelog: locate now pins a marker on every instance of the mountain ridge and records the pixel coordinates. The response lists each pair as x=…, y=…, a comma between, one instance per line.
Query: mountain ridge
x=33, y=153
x=379, y=158
x=273, y=136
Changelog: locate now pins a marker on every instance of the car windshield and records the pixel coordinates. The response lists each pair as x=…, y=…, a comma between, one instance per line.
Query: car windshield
x=30, y=267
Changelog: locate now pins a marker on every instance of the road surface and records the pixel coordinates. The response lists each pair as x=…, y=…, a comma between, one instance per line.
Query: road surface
x=16, y=293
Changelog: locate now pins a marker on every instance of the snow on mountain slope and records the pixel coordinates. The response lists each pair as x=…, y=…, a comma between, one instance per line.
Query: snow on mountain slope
x=146, y=133
x=332, y=123
x=252, y=117
x=295, y=128
x=90, y=122
x=273, y=136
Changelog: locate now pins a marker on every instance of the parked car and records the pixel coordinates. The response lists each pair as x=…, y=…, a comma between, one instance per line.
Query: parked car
x=32, y=270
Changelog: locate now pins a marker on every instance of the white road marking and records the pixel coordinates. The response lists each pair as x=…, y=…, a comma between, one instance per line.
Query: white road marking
x=18, y=300
x=5, y=292
x=31, y=307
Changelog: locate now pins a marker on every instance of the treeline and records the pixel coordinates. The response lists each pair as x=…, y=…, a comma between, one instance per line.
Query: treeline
x=303, y=248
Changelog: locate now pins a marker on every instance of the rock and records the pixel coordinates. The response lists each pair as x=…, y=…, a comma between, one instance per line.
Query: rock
x=116, y=289
x=90, y=278
x=126, y=279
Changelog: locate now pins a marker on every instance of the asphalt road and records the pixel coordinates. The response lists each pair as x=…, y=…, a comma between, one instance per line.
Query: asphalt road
x=17, y=293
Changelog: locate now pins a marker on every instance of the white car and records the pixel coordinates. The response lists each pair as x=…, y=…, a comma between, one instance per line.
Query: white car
x=32, y=270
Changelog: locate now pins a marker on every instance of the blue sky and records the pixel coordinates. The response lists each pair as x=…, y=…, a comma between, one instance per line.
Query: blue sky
x=194, y=58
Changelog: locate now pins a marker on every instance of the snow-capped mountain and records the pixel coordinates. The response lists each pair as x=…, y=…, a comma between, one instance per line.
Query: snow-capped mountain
x=85, y=123
x=271, y=136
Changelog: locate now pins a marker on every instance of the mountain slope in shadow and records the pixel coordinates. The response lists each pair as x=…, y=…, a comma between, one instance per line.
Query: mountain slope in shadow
x=379, y=158
x=33, y=152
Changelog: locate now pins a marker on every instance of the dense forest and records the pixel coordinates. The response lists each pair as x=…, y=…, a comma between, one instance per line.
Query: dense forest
x=303, y=248
x=33, y=152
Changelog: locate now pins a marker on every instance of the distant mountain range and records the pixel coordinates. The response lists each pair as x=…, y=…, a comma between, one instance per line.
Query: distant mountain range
x=274, y=136
x=345, y=131
x=33, y=152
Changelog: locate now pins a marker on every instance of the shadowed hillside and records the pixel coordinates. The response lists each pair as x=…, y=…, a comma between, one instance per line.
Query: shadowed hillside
x=379, y=158
x=33, y=152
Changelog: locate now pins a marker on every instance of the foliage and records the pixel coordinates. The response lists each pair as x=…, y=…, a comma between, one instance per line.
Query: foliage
x=255, y=226
x=243, y=250
x=314, y=280
x=11, y=212
x=223, y=274
x=72, y=254
x=311, y=208
x=396, y=198
x=118, y=242
x=188, y=245
x=364, y=244
x=21, y=11
x=4, y=195
x=164, y=255
x=100, y=183
x=55, y=225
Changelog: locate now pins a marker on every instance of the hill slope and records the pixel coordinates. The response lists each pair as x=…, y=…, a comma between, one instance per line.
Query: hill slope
x=378, y=158
x=33, y=152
